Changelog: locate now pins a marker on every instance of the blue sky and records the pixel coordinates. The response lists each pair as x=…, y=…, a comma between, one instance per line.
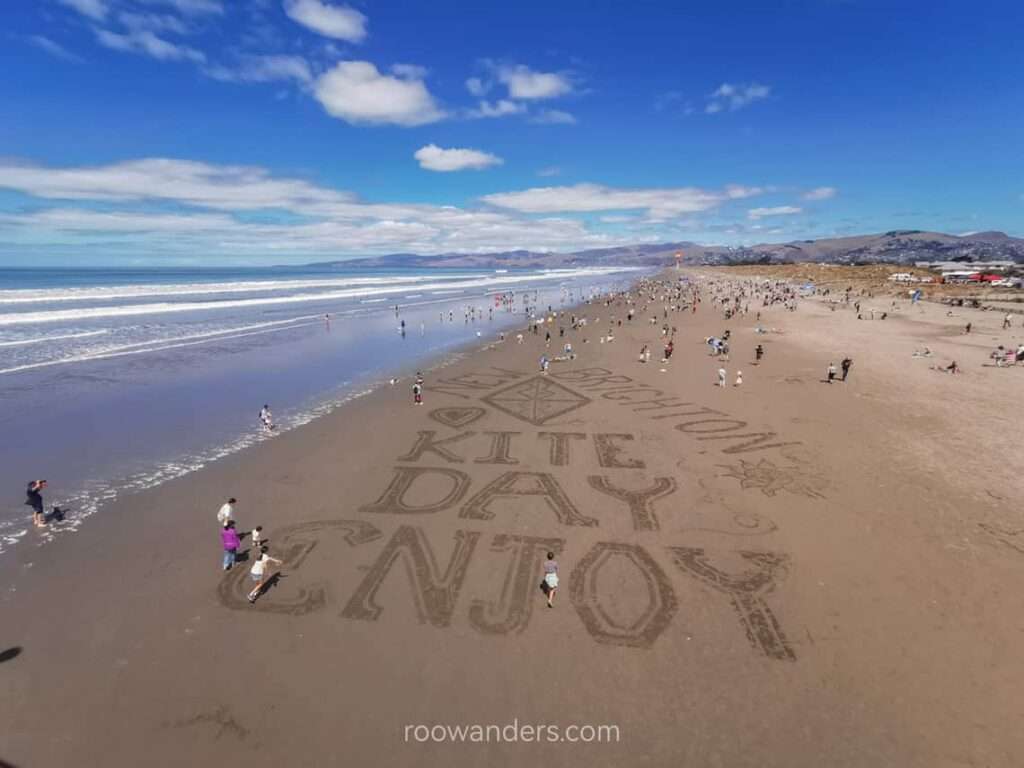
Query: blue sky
x=276, y=131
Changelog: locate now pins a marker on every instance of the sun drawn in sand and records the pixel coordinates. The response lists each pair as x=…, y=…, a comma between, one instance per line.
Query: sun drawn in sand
x=770, y=479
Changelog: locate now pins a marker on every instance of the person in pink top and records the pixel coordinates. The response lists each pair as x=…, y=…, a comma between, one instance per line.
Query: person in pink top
x=229, y=538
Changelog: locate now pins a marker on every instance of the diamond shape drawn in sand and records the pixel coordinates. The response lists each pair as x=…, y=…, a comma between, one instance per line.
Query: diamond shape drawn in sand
x=536, y=400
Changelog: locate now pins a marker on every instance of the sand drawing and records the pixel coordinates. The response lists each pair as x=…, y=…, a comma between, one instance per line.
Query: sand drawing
x=510, y=613
x=559, y=455
x=640, y=501
x=601, y=623
x=769, y=478
x=434, y=593
x=519, y=485
x=746, y=591
x=294, y=543
x=536, y=400
x=457, y=417
x=393, y=500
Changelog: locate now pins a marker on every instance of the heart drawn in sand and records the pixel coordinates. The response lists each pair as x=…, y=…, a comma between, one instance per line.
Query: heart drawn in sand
x=456, y=417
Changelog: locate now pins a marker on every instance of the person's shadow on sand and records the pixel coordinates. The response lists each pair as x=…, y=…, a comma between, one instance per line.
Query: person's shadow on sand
x=8, y=655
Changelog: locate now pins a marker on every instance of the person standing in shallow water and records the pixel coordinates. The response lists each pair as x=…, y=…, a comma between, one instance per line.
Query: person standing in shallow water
x=550, y=578
x=34, y=499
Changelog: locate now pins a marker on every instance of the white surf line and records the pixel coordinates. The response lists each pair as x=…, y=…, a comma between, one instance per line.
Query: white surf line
x=45, y=295
x=159, y=345
x=41, y=339
x=164, y=307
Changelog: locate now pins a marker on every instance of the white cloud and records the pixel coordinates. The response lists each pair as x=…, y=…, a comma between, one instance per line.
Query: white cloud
x=154, y=22
x=477, y=87
x=551, y=170
x=191, y=7
x=738, y=192
x=780, y=210
x=148, y=44
x=434, y=158
x=821, y=193
x=583, y=198
x=732, y=97
x=94, y=9
x=338, y=21
x=357, y=92
x=499, y=108
x=54, y=49
x=553, y=117
x=264, y=69
x=409, y=71
x=183, y=181
x=524, y=83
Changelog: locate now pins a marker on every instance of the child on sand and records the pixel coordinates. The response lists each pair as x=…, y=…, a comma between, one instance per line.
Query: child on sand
x=551, y=578
x=417, y=393
x=257, y=536
x=227, y=511
x=831, y=372
x=739, y=379
x=258, y=572
x=721, y=377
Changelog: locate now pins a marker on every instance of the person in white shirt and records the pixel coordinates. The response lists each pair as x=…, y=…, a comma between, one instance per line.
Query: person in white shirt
x=258, y=573
x=226, y=512
x=257, y=536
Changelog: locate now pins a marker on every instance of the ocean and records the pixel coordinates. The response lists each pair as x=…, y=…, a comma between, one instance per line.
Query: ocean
x=115, y=380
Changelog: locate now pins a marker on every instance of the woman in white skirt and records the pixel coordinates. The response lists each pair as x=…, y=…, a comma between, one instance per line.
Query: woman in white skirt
x=550, y=578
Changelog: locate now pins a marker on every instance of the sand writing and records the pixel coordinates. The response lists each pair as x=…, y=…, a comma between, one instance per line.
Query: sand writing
x=640, y=501
x=501, y=442
x=609, y=452
x=294, y=543
x=652, y=403
x=603, y=625
x=435, y=593
x=746, y=592
x=510, y=613
x=393, y=500
x=515, y=485
x=559, y=453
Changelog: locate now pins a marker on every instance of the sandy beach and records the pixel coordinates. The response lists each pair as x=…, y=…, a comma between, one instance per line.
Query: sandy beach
x=784, y=573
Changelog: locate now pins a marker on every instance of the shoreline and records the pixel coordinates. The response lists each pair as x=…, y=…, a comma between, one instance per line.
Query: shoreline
x=774, y=570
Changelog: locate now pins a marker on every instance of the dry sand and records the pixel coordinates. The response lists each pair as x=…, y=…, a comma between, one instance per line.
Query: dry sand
x=782, y=574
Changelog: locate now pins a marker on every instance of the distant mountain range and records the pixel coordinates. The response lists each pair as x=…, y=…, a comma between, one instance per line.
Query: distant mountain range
x=897, y=247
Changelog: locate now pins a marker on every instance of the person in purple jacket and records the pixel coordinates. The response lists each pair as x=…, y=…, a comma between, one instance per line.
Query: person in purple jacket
x=229, y=538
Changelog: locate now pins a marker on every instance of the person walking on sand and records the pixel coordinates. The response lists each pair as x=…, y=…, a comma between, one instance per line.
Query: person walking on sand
x=831, y=373
x=544, y=363
x=1006, y=321
x=258, y=572
x=417, y=393
x=739, y=379
x=967, y=328
x=550, y=578
x=257, y=536
x=34, y=499
x=230, y=541
x=845, y=365
x=227, y=512
x=758, y=353
x=721, y=377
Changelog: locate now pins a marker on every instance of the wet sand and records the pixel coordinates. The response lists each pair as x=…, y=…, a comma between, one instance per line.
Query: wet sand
x=786, y=573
